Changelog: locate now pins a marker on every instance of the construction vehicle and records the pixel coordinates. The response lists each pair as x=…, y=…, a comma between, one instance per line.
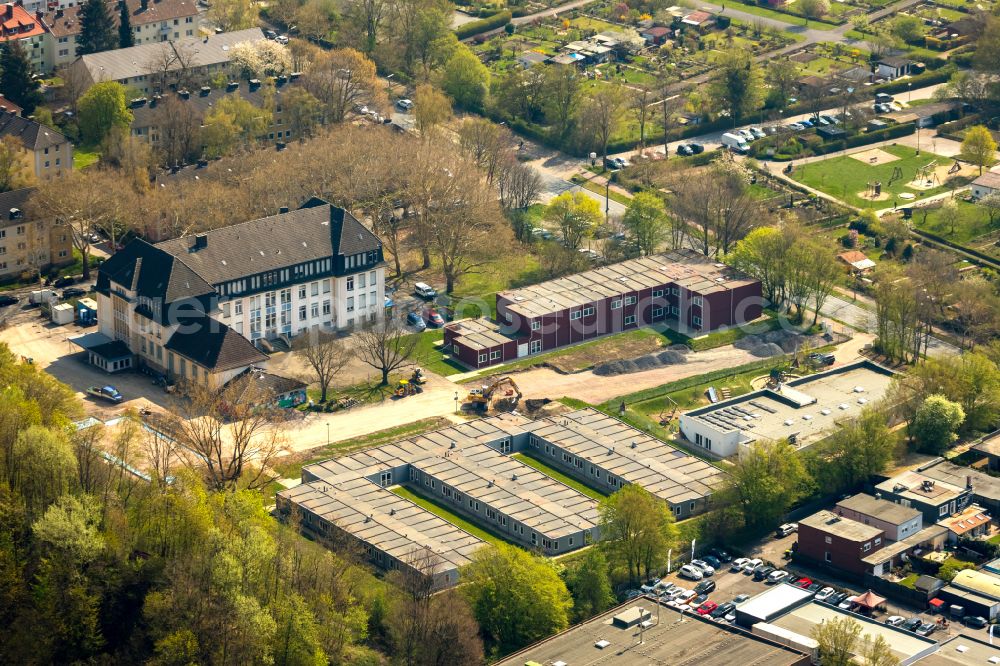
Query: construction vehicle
x=418, y=377
x=498, y=394
x=406, y=387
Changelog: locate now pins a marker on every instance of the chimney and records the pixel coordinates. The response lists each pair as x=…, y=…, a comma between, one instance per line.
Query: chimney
x=59, y=13
x=15, y=214
x=200, y=241
x=8, y=10
x=282, y=210
x=968, y=481
x=205, y=90
x=254, y=84
x=232, y=85
x=144, y=4
x=39, y=15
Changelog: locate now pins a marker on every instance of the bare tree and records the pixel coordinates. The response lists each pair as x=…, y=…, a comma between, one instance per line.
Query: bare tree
x=486, y=143
x=385, y=346
x=517, y=184
x=640, y=102
x=325, y=354
x=717, y=205
x=179, y=126
x=341, y=79
x=228, y=435
x=171, y=65
x=600, y=114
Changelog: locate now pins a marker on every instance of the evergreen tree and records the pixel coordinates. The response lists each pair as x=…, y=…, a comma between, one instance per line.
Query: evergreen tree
x=96, y=29
x=125, y=36
x=15, y=77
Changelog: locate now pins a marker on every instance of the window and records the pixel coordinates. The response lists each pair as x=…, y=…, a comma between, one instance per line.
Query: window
x=630, y=300
x=361, y=281
x=350, y=304
x=536, y=325
x=385, y=479
x=326, y=307
x=828, y=539
x=616, y=304
x=573, y=316
x=302, y=291
x=535, y=347
x=691, y=507
x=372, y=277
x=303, y=313
x=225, y=310
x=943, y=511
x=483, y=358
x=314, y=310
x=629, y=319
x=326, y=286
x=878, y=541
x=674, y=310
x=239, y=307
x=494, y=355
x=696, y=321
x=454, y=348
x=826, y=556
x=589, y=310
x=697, y=300
x=350, y=283
x=657, y=312
x=657, y=293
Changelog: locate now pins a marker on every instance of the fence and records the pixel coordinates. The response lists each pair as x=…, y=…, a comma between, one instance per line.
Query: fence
x=896, y=592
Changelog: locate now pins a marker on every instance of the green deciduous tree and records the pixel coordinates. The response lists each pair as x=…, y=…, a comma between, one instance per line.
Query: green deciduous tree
x=232, y=15
x=814, y=9
x=432, y=109
x=838, y=640
x=878, y=652
x=979, y=148
x=576, y=215
x=43, y=467
x=766, y=481
x=466, y=79
x=517, y=597
x=15, y=77
x=637, y=530
x=590, y=585
x=908, y=29
x=97, y=28
x=738, y=83
x=102, y=108
x=855, y=452
x=646, y=221
x=936, y=422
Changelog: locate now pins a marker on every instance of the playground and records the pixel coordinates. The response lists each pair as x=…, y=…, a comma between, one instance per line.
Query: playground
x=888, y=176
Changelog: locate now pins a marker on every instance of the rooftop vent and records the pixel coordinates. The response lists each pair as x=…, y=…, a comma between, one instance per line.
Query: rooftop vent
x=392, y=512
x=489, y=485
x=513, y=477
x=200, y=241
x=899, y=488
x=453, y=445
x=283, y=210
x=634, y=445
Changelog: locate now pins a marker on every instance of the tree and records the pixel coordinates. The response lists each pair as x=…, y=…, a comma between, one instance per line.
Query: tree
x=877, y=652
x=260, y=59
x=838, y=640
x=232, y=15
x=720, y=209
x=646, y=221
x=590, y=586
x=302, y=112
x=341, y=79
x=466, y=79
x=518, y=185
x=16, y=77
x=42, y=467
x=369, y=15
x=325, y=354
x=640, y=102
x=738, y=83
x=814, y=9
x=126, y=37
x=100, y=109
x=179, y=126
x=936, y=422
x=908, y=29
x=512, y=616
x=637, y=530
x=432, y=108
x=234, y=120
x=765, y=482
x=949, y=215
x=96, y=28
x=979, y=148
x=576, y=215
x=821, y=274
x=599, y=115
x=762, y=255
x=857, y=451
x=782, y=77
x=991, y=204
x=558, y=98
x=13, y=169
x=385, y=346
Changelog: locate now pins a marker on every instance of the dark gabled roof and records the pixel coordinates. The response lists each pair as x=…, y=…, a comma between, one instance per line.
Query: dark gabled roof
x=32, y=135
x=112, y=351
x=264, y=382
x=13, y=199
x=317, y=230
x=154, y=274
x=213, y=345
x=146, y=113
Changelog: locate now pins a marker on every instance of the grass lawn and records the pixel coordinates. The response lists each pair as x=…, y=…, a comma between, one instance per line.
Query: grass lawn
x=429, y=355
x=973, y=222
x=756, y=10
x=83, y=157
x=845, y=177
x=559, y=476
x=291, y=466
x=599, y=189
x=910, y=581
x=442, y=512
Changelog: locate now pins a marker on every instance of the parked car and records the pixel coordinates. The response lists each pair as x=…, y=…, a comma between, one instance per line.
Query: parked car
x=825, y=594
x=6, y=300
x=735, y=143
x=270, y=34
x=738, y=564
x=830, y=119
x=706, y=568
x=404, y=104
x=434, y=319
x=837, y=598
x=912, y=624
x=696, y=148
x=786, y=529
x=705, y=586
x=723, y=610
x=751, y=566
x=814, y=588
x=805, y=122
x=698, y=600
x=109, y=393
x=691, y=572
x=925, y=629
x=73, y=292
x=884, y=98
x=797, y=127
x=804, y=582
x=281, y=39
x=649, y=585
x=846, y=603
x=722, y=555
x=416, y=321
x=740, y=599
x=762, y=572
x=975, y=621
x=64, y=282
x=712, y=561
x=615, y=163
x=707, y=607
x=747, y=135
x=895, y=620
x=820, y=120
x=685, y=596
x=758, y=132
x=424, y=290
x=777, y=577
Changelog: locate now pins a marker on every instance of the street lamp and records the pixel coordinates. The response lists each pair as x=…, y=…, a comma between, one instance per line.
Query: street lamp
x=607, y=194
x=456, y=402
x=328, y=434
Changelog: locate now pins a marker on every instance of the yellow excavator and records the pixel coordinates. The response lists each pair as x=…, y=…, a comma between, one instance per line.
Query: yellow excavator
x=498, y=394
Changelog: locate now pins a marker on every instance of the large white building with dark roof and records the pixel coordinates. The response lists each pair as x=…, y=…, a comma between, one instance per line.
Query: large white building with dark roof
x=198, y=307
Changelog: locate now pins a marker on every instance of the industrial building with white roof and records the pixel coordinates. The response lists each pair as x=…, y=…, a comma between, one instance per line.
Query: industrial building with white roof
x=468, y=470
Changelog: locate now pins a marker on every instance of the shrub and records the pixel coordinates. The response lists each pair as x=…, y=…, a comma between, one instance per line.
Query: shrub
x=498, y=20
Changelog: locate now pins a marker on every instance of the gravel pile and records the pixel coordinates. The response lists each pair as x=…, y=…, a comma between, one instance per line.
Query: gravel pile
x=674, y=355
x=766, y=350
x=671, y=357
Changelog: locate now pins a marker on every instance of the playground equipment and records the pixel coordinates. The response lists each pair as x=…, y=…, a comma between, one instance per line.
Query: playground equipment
x=897, y=174
x=928, y=174
x=664, y=420
x=954, y=168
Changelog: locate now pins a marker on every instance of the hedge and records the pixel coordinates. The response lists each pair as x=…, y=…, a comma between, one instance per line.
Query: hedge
x=972, y=253
x=813, y=149
x=498, y=20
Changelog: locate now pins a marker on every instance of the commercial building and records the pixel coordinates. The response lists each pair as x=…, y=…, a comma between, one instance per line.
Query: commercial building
x=935, y=499
x=906, y=646
x=977, y=592
x=801, y=410
x=840, y=542
x=45, y=152
x=469, y=470
x=154, y=66
x=963, y=650
x=667, y=637
x=770, y=604
x=152, y=21
x=195, y=307
x=679, y=289
x=896, y=520
x=29, y=244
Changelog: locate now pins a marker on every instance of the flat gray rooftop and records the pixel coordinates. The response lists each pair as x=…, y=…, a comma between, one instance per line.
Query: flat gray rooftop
x=630, y=454
x=845, y=528
x=910, y=485
x=809, y=407
x=879, y=508
x=676, y=639
x=963, y=651
x=983, y=484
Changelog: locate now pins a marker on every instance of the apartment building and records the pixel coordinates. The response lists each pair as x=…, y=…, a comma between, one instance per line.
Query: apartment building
x=29, y=244
x=27, y=27
x=46, y=152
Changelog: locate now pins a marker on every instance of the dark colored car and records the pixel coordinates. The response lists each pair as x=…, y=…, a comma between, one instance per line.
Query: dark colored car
x=837, y=598
x=815, y=587
x=684, y=150
x=696, y=148
x=723, y=610
x=416, y=321
x=912, y=624
x=975, y=621
x=722, y=555
x=270, y=34
x=7, y=300
x=434, y=319
x=73, y=292
x=64, y=282
x=714, y=561
x=925, y=629
x=698, y=600
x=762, y=573
x=705, y=586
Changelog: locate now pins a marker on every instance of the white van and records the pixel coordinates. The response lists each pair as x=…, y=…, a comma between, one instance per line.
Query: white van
x=424, y=290
x=735, y=143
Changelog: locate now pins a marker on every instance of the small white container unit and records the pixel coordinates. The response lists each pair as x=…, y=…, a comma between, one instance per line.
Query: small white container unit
x=63, y=313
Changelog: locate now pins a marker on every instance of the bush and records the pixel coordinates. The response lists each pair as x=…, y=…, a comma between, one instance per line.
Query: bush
x=498, y=20
x=951, y=567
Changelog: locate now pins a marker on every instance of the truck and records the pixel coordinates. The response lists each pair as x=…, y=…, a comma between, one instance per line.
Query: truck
x=109, y=393
x=735, y=143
